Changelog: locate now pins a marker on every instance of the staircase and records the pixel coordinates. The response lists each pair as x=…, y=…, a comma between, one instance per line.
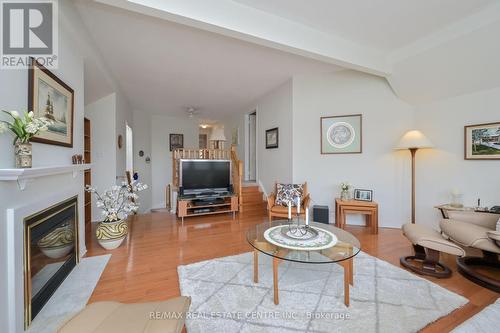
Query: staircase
x=253, y=203
x=251, y=200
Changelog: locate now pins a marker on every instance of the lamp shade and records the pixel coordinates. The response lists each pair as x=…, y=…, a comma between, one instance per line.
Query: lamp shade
x=217, y=134
x=414, y=139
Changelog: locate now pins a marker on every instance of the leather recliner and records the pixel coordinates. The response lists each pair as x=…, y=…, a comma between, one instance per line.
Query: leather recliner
x=475, y=230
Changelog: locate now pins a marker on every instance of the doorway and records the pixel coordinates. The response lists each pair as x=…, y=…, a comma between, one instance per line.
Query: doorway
x=129, y=152
x=251, y=147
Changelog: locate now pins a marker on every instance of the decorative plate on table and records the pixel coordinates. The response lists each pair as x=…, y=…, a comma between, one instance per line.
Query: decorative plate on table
x=314, y=239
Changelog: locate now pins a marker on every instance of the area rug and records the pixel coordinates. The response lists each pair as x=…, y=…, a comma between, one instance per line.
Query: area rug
x=486, y=321
x=71, y=297
x=384, y=298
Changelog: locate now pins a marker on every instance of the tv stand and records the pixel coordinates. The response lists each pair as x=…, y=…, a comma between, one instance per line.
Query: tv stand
x=206, y=205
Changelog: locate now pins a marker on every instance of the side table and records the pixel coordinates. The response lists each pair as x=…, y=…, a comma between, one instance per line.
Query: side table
x=369, y=209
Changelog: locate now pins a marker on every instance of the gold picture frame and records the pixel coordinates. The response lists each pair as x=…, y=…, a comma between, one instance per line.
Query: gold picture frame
x=50, y=97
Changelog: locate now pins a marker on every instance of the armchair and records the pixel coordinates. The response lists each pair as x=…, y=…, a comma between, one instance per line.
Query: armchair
x=277, y=209
x=476, y=231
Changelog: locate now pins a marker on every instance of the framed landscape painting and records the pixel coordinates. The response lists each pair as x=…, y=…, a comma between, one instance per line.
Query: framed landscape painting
x=482, y=142
x=50, y=97
x=341, y=134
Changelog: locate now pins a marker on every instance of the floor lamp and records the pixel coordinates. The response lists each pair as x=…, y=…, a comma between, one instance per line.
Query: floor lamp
x=413, y=141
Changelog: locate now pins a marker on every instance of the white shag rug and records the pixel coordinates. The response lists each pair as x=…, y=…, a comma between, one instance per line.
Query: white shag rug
x=71, y=296
x=486, y=321
x=384, y=298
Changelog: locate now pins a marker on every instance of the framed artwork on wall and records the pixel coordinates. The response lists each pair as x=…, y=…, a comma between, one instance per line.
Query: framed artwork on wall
x=482, y=142
x=341, y=134
x=50, y=97
x=235, y=136
x=176, y=141
x=272, y=138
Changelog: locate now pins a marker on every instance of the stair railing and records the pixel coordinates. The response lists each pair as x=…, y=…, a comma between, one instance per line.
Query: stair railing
x=237, y=176
x=211, y=154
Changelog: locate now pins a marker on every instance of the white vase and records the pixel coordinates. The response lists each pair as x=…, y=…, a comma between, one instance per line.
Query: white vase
x=345, y=196
x=23, y=155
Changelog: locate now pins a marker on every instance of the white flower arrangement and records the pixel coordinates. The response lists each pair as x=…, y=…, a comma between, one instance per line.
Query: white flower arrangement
x=118, y=202
x=24, y=127
x=345, y=186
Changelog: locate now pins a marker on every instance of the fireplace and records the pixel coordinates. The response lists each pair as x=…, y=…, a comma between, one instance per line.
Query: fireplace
x=50, y=253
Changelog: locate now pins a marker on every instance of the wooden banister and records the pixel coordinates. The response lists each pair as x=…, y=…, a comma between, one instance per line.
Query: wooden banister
x=237, y=176
x=211, y=154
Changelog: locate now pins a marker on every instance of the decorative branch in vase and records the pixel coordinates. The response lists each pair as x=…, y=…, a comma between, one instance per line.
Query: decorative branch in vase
x=117, y=203
x=24, y=127
x=344, y=191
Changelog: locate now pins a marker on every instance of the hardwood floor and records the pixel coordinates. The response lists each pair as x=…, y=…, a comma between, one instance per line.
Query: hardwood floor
x=144, y=268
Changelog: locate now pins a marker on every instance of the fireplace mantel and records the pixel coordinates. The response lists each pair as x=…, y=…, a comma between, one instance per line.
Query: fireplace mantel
x=23, y=176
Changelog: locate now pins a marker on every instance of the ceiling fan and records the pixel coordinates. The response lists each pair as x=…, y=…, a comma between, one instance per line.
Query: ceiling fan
x=192, y=111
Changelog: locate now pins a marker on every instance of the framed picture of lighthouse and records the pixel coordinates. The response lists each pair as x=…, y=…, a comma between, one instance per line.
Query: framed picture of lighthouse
x=50, y=97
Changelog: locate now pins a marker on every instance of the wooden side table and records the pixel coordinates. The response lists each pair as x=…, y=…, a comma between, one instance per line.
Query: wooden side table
x=369, y=209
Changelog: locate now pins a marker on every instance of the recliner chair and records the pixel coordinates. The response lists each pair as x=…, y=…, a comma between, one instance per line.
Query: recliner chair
x=477, y=231
x=460, y=233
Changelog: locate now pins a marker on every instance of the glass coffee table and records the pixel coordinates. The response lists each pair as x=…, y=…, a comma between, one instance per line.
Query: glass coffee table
x=342, y=253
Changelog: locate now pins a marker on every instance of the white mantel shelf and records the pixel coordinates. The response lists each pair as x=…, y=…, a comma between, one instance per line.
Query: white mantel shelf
x=23, y=176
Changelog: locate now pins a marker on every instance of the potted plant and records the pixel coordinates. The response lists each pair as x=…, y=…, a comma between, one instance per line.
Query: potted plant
x=117, y=203
x=344, y=191
x=24, y=128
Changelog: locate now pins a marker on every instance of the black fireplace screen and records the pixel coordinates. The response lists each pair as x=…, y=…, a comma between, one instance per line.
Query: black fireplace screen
x=51, y=252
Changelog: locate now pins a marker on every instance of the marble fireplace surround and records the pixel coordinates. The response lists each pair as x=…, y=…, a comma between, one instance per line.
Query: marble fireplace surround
x=15, y=247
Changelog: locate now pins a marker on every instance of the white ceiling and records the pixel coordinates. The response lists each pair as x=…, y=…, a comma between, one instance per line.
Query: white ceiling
x=221, y=56
x=164, y=67
x=382, y=24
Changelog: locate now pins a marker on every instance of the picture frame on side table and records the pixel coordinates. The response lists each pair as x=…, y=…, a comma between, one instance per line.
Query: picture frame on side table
x=482, y=141
x=272, y=138
x=341, y=134
x=363, y=195
x=176, y=141
x=50, y=97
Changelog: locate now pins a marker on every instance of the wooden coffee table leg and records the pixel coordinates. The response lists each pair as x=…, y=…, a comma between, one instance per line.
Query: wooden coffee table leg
x=351, y=271
x=275, y=280
x=347, y=265
x=255, y=266
x=347, y=278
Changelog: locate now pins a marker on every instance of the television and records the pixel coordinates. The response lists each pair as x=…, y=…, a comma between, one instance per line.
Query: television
x=197, y=176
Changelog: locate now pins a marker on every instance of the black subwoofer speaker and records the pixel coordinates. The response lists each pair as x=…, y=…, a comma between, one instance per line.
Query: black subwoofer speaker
x=321, y=214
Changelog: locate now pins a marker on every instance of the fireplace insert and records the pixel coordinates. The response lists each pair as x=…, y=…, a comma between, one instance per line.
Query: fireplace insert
x=50, y=253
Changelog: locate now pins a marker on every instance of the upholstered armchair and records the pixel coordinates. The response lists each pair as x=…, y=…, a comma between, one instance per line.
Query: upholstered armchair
x=279, y=208
x=477, y=231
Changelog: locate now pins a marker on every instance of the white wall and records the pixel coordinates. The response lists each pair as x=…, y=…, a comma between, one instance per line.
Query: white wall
x=275, y=110
x=102, y=118
x=230, y=123
x=444, y=168
x=379, y=167
x=161, y=157
x=142, y=141
x=13, y=96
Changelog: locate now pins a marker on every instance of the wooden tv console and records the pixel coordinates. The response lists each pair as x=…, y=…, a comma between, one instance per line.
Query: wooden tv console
x=186, y=207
